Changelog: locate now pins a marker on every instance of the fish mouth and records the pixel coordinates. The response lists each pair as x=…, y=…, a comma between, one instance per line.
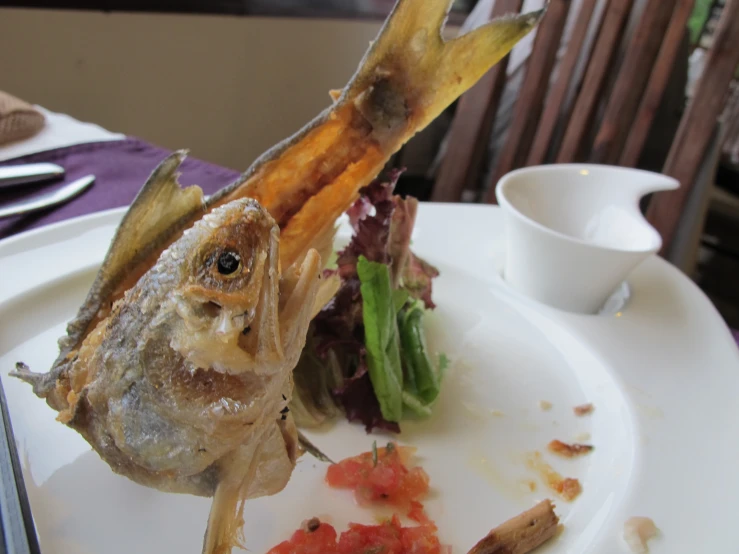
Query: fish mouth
x=223, y=322
x=211, y=309
x=214, y=310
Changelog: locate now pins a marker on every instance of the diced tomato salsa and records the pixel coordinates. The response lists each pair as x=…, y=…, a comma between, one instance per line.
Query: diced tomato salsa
x=382, y=478
x=387, y=538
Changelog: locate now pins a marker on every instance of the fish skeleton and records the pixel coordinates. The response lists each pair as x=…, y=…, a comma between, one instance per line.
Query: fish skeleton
x=178, y=366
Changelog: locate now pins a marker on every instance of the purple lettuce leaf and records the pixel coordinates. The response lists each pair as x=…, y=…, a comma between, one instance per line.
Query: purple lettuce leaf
x=358, y=399
x=417, y=279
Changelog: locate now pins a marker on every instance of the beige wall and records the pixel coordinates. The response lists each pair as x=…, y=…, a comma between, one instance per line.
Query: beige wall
x=225, y=87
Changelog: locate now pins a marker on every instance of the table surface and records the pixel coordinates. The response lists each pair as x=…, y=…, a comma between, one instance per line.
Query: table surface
x=121, y=166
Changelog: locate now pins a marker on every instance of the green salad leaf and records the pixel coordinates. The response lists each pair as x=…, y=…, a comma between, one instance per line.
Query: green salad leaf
x=421, y=374
x=381, y=337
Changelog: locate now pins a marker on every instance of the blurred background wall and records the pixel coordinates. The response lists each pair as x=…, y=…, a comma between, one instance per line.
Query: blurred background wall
x=225, y=87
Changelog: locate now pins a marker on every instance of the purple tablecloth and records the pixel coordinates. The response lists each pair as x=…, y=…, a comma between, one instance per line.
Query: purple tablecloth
x=120, y=168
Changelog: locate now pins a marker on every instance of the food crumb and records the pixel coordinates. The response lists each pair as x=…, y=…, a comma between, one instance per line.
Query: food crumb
x=312, y=524
x=568, y=450
x=582, y=437
x=567, y=488
x=496, y=413
x=474, y=411
x=544, y=405
x=583, y=409
x=528, y=485
x=637, y=532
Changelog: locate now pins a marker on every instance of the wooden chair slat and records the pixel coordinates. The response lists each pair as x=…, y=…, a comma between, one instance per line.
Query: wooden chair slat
x=608, y=40
x=656, y=85
x=633, y=74
x=533, y=89
x=697, y=125
x=565, y=73
x=467, y=138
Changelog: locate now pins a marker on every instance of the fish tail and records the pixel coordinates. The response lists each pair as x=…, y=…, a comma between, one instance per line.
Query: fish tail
x=410, y=74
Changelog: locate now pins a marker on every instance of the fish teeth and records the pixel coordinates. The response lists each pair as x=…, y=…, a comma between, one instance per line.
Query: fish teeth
x=225, y=327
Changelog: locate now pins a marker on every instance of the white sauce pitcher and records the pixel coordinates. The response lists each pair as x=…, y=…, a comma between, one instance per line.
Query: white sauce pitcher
x=574, y=232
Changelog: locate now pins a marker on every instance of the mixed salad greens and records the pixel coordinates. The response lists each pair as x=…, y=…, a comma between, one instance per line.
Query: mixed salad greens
x=366, y=354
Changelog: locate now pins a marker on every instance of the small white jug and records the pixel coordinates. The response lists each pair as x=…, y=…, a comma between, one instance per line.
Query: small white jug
x=575, y=231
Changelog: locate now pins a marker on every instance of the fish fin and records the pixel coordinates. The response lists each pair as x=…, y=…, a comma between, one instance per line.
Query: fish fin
x=326, y=291
x=40, y=382
x=160, y=205
x=262, y=466
x=323, y=243
x=226, y=519
x=312, y=449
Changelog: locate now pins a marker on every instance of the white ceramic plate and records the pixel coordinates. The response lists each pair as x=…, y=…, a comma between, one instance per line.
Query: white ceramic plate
x=663, y=375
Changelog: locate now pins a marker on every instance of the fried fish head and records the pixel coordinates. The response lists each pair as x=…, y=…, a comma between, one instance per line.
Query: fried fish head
x=235, y=311
x=226, y=297
x=193, y=367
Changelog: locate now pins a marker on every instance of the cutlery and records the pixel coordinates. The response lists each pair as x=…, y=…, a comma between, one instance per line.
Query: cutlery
x=17, y=531
x=14, y=175
x=49, y=199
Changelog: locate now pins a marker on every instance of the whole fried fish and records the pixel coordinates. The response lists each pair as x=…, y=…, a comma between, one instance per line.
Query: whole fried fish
x=177, y=367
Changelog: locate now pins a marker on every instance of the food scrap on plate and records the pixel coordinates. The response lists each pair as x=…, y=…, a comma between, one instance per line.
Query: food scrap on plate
x=583, y=410
x=566, y=487
x=637, y=533
x=568, y=450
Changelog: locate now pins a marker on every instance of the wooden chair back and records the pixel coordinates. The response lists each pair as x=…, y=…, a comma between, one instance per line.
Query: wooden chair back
x=600, y=105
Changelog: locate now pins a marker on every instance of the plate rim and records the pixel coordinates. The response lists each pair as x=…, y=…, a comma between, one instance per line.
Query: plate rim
x=111, y=217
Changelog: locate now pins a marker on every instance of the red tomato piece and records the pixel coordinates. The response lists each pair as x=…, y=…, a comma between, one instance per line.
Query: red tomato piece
x=360, y=539
x=387, y=538
x=386, y=478
x=420, y=540
x=417, y=514
x=321, y=540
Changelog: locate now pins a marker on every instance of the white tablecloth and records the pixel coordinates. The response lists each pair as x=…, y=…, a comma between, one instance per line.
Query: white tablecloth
x=60, y=130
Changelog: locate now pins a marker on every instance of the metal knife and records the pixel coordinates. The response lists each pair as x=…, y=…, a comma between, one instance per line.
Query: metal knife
x=13, y=175
x=46, y=200
x=17, y=530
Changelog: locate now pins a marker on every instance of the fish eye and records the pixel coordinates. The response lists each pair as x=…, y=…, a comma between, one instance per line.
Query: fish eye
x=229, y=263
